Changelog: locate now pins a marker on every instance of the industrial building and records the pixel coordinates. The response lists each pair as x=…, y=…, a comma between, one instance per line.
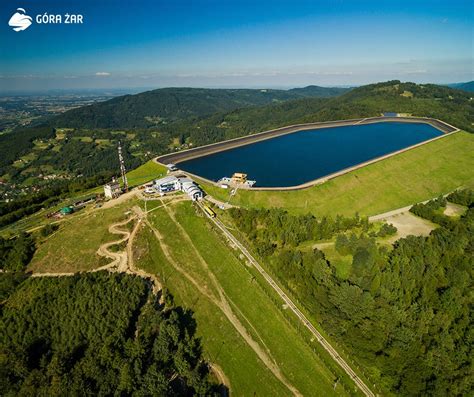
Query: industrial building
x=172, y=183
x=167, y=184
x=112, y=189
x=191, y=189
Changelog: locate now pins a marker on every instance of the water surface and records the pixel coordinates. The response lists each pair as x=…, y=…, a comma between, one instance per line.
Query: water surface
x=300, y=157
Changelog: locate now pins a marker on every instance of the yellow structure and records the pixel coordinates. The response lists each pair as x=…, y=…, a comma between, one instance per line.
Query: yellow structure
x=238, y=177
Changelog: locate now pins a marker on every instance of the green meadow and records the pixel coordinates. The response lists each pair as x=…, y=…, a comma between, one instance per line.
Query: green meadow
x=203, y=256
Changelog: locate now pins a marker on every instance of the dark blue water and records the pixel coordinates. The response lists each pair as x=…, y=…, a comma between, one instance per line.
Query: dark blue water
x=300, y=157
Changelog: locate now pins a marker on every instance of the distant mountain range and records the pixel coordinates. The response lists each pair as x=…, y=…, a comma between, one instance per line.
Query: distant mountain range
x=467, y=86
x=167, y=105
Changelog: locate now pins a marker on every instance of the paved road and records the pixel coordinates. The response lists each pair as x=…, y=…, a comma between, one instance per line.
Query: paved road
x=326, y=345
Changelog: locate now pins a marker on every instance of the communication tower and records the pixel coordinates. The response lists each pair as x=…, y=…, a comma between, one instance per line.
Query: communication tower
x=122, y=168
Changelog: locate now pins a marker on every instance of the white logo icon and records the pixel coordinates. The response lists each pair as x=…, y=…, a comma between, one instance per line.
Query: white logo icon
x=19, y=20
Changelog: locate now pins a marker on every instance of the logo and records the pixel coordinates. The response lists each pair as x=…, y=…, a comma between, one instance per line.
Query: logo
x=19, y=20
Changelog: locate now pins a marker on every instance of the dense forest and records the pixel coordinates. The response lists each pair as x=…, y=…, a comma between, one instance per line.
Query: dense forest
x=16, y=253
x=167, y=105
x=405, y=312
x=98, y=334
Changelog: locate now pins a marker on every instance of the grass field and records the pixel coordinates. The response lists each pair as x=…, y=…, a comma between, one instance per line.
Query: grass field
x=73, y=247
x=213, y=266
x=145, y=173
x=416, y=175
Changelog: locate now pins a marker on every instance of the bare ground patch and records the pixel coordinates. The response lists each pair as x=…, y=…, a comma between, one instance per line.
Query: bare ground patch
x=454, y=209
x=409, y=224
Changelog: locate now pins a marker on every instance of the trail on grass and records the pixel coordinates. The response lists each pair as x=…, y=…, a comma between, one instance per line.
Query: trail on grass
x=122, y=261
x=221, y=302
x=38, y=275
x=220, y=375
x=131, y=268
x=119, y=258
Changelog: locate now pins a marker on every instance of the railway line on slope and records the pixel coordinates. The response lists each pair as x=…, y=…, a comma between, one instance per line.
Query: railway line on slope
x=290, y=304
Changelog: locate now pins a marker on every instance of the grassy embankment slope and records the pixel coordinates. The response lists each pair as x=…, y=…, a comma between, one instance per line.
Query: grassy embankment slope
x=145, y=173
x=213, y=267
x=416, y=175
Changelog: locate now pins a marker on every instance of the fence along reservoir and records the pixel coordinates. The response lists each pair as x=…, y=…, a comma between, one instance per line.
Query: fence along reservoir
x=300, y=157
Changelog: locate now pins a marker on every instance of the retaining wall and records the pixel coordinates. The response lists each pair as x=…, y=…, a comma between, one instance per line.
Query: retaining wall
x=175, y=158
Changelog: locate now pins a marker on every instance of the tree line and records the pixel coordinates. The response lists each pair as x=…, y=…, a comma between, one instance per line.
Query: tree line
x=403, y=312
x=98, y=334
x=274, y=228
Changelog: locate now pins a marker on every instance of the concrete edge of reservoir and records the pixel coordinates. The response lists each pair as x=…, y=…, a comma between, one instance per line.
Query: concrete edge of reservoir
x=205, y=150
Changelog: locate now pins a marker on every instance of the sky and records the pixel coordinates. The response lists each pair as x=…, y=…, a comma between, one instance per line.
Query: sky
x=226, y=43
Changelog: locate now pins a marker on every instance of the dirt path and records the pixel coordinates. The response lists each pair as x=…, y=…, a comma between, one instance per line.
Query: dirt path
x=120, y=199
x=222, y=303
x=220, y=375
x=119, y=258
x=131, y=268
x=38, y=275
x=122, y=261
x=320, y=246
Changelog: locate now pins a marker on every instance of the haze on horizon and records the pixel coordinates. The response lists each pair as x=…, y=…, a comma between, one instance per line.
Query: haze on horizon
x=237, y=44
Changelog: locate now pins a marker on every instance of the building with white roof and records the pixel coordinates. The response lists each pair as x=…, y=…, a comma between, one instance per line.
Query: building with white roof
x=171, y=184
x=167, y=184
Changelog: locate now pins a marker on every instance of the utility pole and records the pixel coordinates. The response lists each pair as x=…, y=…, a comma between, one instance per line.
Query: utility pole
x=122, y=168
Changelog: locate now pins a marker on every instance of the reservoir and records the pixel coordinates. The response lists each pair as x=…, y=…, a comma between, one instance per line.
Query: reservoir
x=302, y=156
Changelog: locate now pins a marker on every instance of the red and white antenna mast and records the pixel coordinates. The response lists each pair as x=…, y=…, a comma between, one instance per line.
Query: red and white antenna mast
x=123, y=171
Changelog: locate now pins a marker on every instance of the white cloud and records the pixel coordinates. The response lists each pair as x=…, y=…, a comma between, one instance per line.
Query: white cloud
x=102, y=74
x=416, y=71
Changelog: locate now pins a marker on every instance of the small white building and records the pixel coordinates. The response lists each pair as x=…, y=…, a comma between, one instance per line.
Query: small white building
x=171, y=167
x=112, y=189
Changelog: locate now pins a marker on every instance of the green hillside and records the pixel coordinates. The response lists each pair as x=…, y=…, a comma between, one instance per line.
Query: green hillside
x=450, y=105
x=166, y=105
x=467, y=86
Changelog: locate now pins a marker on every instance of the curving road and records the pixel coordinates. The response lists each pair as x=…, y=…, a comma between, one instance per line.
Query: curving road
x=324, y=343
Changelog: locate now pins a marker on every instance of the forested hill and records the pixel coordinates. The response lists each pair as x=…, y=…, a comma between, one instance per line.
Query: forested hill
x=319, y=92
x=166, y=105
x=467, y=86
x=429, y=100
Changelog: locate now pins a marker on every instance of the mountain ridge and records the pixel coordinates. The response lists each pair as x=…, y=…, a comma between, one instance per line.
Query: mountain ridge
x=165, y=105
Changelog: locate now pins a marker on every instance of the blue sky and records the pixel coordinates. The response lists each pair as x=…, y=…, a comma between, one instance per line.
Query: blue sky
x=226, y=43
